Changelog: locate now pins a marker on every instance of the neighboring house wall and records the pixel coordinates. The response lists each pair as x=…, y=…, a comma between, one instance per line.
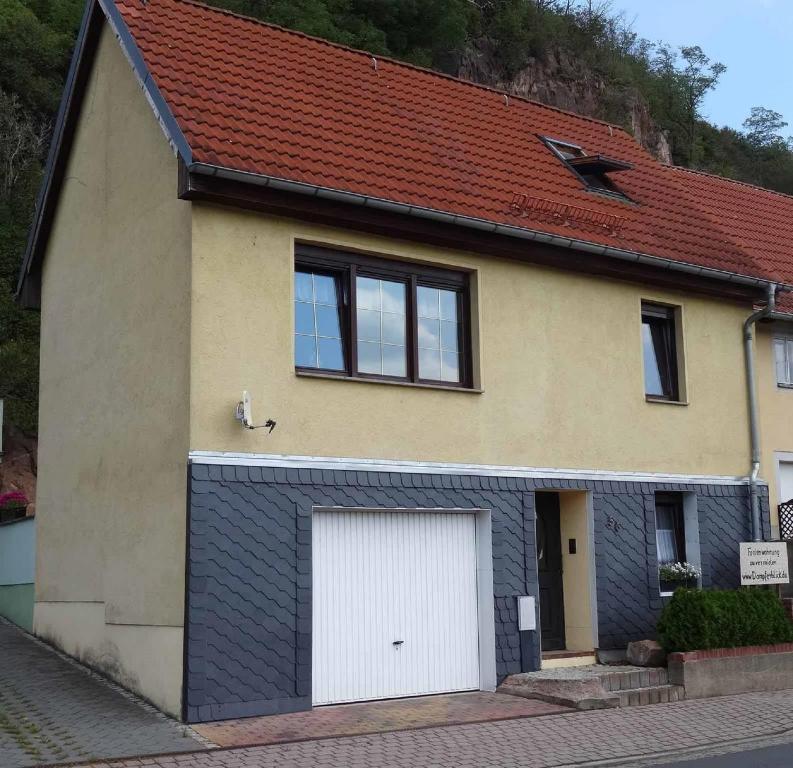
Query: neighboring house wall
x=18, y=571
x=560, y=364
x=114, y=387
x=776, y=416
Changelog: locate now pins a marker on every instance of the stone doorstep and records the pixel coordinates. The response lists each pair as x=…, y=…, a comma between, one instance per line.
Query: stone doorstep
x=580, y=694
x=595, y=689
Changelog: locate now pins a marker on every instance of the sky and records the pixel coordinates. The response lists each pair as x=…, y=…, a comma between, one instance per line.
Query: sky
x=753, y=38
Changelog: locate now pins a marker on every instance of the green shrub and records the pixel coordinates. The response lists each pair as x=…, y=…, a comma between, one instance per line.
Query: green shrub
x=698, y=620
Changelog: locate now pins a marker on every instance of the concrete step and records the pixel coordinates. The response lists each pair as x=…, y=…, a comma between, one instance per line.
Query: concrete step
x=595, y=687
x=644, y=678
x=661, y=694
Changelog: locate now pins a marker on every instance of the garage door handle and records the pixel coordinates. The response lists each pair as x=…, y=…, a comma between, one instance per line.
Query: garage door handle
x=397, y=642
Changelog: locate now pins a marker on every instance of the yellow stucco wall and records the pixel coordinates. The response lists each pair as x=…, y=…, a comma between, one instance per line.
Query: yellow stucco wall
x=561, y=366
x=776, y=412
x=113, y=436
x=576, y=571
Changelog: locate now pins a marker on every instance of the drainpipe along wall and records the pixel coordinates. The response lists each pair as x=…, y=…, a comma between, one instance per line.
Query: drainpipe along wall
x=751, y=390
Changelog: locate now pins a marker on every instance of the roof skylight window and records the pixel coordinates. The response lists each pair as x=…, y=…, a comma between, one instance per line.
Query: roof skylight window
x=592, y=170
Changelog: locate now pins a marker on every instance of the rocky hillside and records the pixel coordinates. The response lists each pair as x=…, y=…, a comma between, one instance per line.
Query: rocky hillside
x=561, y=80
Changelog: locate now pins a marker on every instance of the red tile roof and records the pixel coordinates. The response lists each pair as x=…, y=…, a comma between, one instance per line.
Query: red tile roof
x=258, y=98
x=758, y=220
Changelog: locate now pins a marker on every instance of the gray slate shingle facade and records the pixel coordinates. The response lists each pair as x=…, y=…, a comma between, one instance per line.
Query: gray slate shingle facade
x=248, y=648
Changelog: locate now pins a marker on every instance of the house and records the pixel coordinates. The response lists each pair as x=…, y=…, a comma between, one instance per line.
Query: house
x=501, y=345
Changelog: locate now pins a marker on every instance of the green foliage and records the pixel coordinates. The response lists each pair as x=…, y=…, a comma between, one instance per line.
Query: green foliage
x=699, y=620
x=36, y=40
x=21, y=145
x=423, y=32
x=762, y=127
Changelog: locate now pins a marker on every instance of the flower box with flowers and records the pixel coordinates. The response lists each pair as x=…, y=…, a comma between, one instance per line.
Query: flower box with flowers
x=674, y=575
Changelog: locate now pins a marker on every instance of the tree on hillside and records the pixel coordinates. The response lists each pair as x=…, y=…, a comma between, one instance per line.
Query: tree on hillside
x=423, y=32
x=36, y=38
x=763, y=127
x=22, y=143
x=698, y=76
x=681, y=80
x=768, y=152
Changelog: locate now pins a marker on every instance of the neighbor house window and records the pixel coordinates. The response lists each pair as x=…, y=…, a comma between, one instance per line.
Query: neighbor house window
x=660, y=352
x=670, y=533
x=371, y=318
x=783, y=354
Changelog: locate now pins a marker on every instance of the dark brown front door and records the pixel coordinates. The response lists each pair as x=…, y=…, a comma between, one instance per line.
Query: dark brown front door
x=549, y=565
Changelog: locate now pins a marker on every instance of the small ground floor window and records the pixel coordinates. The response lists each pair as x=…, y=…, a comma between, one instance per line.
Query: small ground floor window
x=677, y=538
x=670, y=528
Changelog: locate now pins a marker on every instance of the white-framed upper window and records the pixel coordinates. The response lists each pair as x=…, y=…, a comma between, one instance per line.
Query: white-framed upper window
x=783, y=356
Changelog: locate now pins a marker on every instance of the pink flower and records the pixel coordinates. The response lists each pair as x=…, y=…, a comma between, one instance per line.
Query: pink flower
x=13, y=499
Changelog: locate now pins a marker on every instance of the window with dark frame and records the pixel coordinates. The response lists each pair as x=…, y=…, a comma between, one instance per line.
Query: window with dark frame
x=670, y=532
x=659, y=348
x=370, y=318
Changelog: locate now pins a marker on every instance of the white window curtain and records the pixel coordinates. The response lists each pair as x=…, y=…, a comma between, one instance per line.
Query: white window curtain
x=667, y=546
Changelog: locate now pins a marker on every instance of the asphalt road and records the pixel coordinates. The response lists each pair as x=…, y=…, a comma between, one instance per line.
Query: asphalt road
x=778, y=756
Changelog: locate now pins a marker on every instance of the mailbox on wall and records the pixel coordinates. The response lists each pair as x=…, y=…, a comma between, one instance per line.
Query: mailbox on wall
x=527, y=618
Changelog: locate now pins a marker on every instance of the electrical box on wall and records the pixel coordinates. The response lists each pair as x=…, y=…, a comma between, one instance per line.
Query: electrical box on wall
x=527, y=618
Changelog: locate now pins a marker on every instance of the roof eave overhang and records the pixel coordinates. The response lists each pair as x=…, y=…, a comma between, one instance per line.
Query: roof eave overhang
x=481, y=225
x=781, y=317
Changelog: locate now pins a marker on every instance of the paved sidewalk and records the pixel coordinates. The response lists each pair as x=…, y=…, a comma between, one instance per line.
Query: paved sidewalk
x=374, y=717
x=54, y=710
x=578, y=738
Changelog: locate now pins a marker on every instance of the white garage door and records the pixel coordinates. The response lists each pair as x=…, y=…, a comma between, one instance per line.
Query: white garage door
x=394, y=605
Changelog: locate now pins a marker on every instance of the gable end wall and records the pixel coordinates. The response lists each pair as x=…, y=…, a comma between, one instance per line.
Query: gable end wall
x=114, y=408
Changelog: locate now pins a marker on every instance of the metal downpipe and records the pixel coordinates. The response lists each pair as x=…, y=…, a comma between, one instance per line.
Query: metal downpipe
x=751, y=391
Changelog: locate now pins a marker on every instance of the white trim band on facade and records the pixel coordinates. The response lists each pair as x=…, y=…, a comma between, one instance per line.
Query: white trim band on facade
x=444, y=468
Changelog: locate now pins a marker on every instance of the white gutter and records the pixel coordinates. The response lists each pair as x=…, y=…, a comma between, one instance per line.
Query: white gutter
x=483, y=225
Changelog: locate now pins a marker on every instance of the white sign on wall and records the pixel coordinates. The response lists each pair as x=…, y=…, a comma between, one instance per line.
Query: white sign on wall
x=764, y=562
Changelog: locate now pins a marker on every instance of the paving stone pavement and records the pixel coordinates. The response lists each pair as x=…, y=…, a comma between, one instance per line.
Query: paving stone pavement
x=54, y=710
x=374, y=717
x=578, y=738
